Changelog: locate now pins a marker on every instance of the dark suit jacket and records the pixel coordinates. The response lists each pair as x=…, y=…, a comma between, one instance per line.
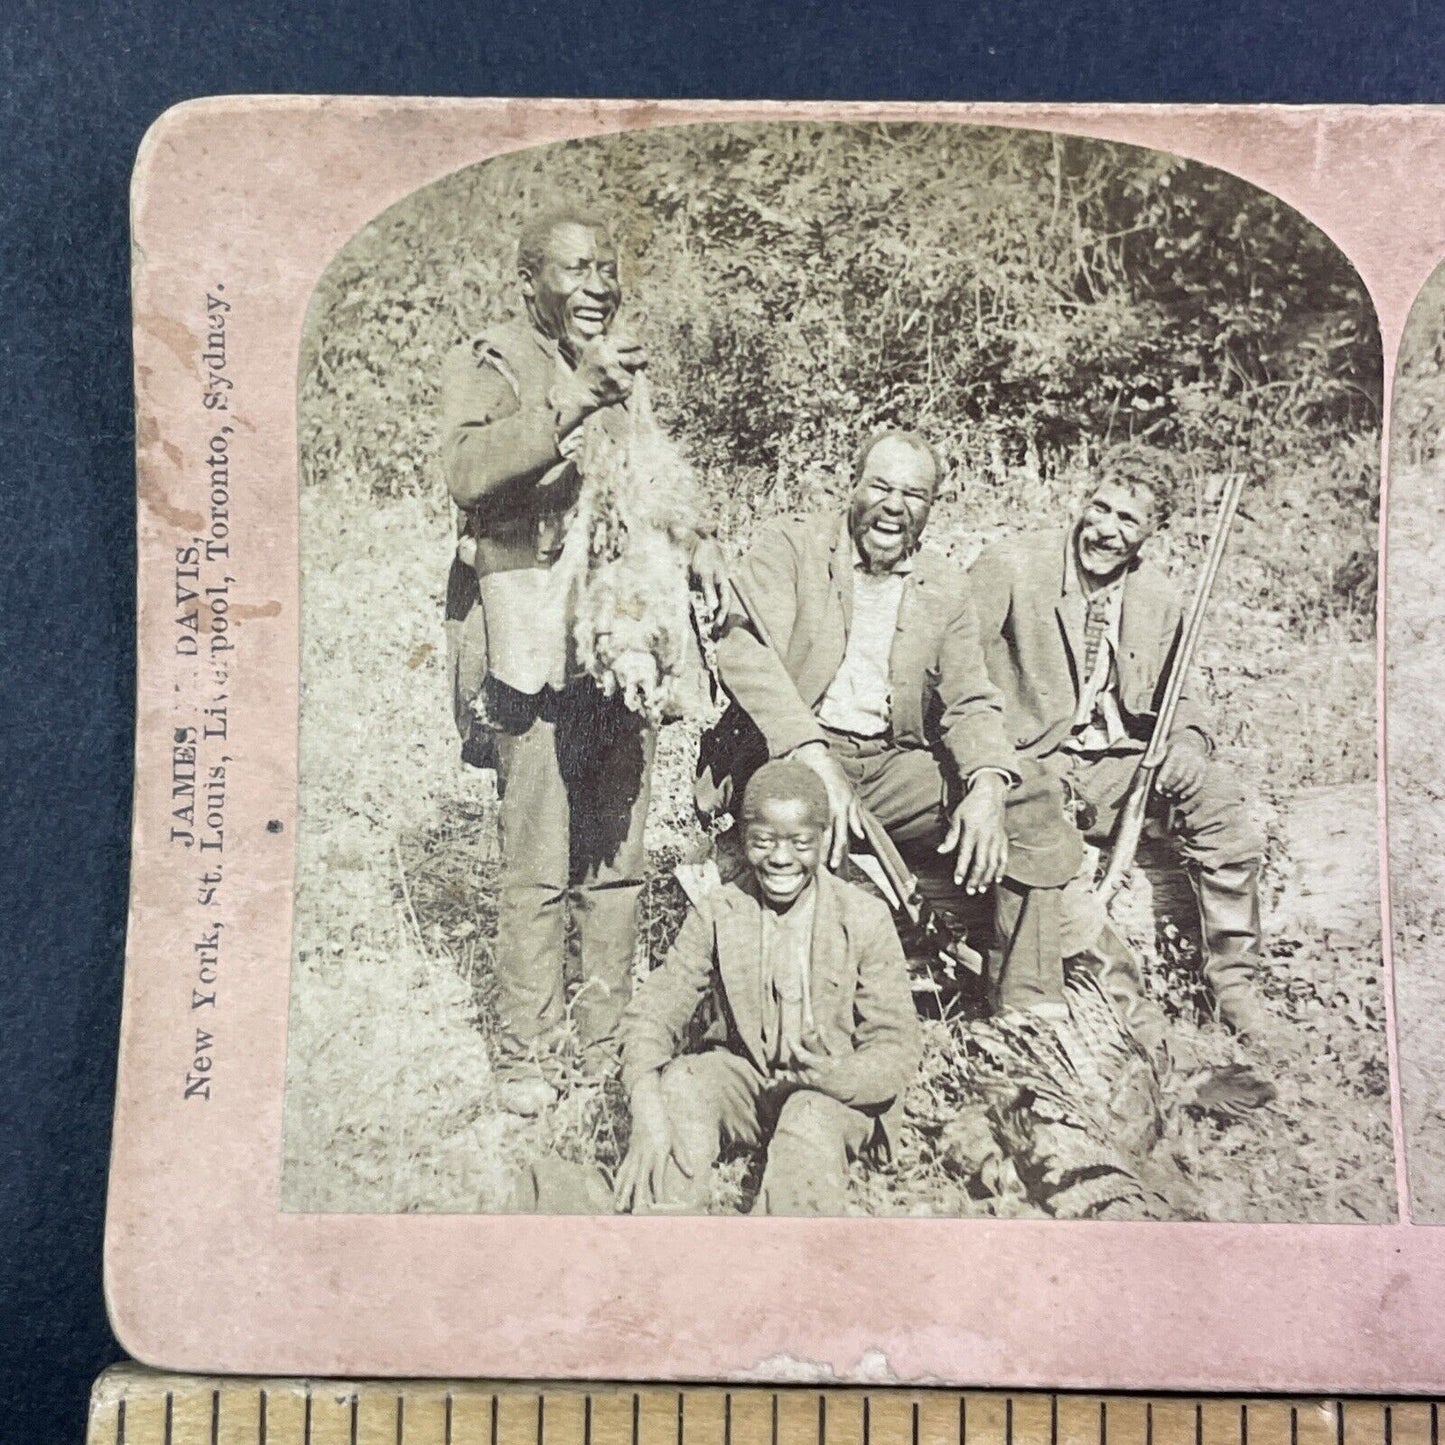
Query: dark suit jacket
x=862, y=1002
x=514, y=488
x=798, y=576
x=1033, y=636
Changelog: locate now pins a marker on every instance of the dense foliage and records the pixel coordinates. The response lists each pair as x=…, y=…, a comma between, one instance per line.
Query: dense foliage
x=1415, y=739
x=1418, y=424
x=1026, y=297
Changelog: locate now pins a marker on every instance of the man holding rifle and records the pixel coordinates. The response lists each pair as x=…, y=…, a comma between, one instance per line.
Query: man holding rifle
x=856, y=653
x=1080, y=635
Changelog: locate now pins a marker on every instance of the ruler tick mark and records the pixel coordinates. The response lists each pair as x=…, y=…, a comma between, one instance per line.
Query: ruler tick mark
x=170, y=1415
x=400, y=1418
x=447, y=1420
x=775, y=1419
x=120, y=1423
x=823, y=1421
x=355, y=1407
x=915, y=1422
x=541, y=1416
x=264, y=1402
x=306, y=1423
x=215, y=1417
x=867, y=1423
x=1008, y=1422
x=495, y=1408
x=1103, y=1422
x=728, y=1418
x=636, y=1417
x=587, y=1420
x=1244, y=1425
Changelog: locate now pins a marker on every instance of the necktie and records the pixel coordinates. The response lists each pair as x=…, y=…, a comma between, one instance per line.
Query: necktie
x=1096, y=623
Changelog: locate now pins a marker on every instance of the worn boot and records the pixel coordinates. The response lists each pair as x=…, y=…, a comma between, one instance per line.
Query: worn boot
x=526, y=1073
x=1233, y=944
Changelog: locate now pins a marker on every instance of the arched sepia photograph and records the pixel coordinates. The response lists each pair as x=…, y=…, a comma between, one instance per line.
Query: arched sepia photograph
x=838, y=678
x=1415, y=715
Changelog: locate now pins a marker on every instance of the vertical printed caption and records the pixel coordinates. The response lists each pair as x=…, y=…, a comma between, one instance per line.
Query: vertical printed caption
x=204, y=640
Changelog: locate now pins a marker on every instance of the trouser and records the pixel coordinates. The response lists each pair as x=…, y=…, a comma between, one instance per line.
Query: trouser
x=573, y=773
x=909, y=792
x=719, y=1097
x=1217, y=840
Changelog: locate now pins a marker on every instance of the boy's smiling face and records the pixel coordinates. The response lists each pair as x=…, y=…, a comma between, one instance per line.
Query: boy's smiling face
x=784, y=848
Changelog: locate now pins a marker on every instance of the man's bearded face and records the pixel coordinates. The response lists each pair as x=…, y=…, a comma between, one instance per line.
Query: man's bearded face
x=574, y=293
x=891, y=503
x=1115, y=524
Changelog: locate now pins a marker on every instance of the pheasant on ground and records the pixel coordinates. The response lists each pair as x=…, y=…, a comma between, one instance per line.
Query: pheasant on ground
x=1073, y=1108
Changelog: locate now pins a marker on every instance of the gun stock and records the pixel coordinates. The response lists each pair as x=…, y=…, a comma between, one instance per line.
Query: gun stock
x=1127, y=833
x=952, y=948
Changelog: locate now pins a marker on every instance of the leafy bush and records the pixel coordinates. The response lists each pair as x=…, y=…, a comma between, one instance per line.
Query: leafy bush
x=1026, y=298
x=1418, y=422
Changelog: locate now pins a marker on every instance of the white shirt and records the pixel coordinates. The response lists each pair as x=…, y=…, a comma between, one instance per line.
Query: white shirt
x=859, y=700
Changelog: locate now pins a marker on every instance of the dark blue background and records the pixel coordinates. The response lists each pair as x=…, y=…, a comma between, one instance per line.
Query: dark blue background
x=80, y=84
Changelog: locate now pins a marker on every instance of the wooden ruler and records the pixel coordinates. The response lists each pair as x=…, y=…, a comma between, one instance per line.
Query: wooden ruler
x=131, y=1405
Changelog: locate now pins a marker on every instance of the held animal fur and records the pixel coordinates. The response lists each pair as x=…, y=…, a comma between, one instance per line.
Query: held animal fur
x=625, y=565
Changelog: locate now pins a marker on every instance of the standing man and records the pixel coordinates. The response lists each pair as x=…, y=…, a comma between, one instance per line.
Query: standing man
x=573, y=766
x=859, y=655
x=1080, y=632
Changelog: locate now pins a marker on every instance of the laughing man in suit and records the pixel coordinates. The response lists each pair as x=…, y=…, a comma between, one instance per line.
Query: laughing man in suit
x=855, y=650
x=574, y=765
x=1080, y=631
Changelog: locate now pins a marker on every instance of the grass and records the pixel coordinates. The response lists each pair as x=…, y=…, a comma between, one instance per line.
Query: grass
x=389, y=1105
x=798, y=285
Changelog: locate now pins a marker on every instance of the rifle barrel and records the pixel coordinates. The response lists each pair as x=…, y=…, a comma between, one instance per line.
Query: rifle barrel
x=1194, y=626
x=1130, y=825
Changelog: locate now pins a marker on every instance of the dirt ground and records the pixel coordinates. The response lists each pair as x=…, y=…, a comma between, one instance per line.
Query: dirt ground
x=389, y=1106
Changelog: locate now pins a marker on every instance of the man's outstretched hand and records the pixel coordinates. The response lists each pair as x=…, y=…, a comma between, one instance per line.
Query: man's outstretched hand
x=641, y=1174
x=845, y=818
x=976, y=831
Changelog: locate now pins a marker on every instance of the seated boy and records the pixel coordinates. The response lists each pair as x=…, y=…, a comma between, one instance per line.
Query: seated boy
x=815, y=1036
